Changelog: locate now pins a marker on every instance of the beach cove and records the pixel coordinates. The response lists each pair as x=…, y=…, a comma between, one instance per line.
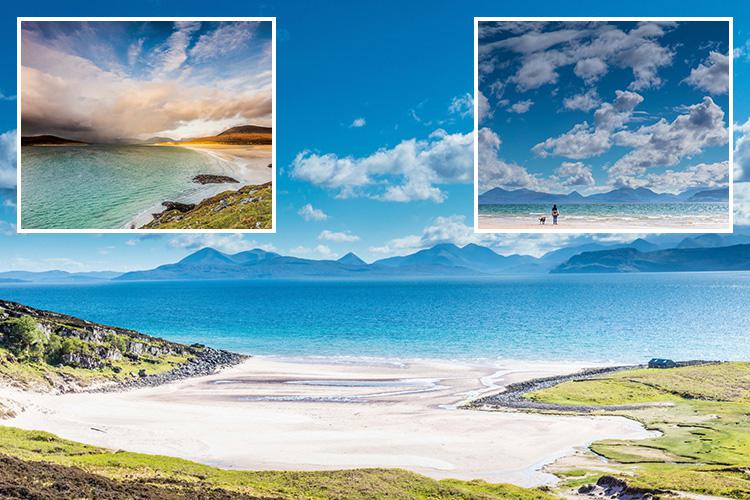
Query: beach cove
x=323, y=414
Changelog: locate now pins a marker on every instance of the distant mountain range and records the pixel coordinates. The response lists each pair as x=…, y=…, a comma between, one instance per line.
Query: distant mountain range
x=499, y=196
x=240, y=135
x=627, y=260
x=48, y=140
x=665, y=253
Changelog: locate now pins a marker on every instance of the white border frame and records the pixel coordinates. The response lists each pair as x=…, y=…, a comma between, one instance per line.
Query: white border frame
x=19, y=89
x=728, y=229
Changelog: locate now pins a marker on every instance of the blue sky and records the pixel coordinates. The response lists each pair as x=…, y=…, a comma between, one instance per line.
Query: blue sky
x=404, y=70
x=592, y=106
x=108, y=81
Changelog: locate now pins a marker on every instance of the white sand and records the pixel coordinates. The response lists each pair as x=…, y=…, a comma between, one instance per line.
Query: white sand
x=310, y=415
x=601, y=224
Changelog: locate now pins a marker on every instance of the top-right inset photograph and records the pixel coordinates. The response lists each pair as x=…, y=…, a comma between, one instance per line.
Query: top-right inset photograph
x=603, y=125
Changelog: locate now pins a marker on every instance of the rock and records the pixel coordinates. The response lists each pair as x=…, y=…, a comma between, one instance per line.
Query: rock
x=213, y=179
x=220, y=206
x=142, y=373
x=270, y=165
x=661, y=363
x=81, y=360
x=245, y=201
x=180, y=207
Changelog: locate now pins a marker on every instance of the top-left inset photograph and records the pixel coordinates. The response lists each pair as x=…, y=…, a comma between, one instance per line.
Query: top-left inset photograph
x=146, y=125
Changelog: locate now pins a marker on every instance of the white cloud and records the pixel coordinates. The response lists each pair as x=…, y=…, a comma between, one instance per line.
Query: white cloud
x=590, y=69
x=226, y=38
x=228, y=243
x=709, y=175
x=483, y=107
x=712, y=75
x=583, y=102
x=358, y=123
x=667, y=143
x=319, y=251
x=132, y=242
x=495, y=172
x=308, y=212
x=463, y=106
x=409, y=171
x=521, y=107
x=134, y=50
x=575, y=174
x=337, y=236
x=742, y=152
x=742, y=203
x=173, y=53
x=453, y=229
x=590, y=47
x=8, y=159
x=586, y=141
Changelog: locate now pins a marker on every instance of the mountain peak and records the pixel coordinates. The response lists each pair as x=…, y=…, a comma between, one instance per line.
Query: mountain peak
x=351, y=259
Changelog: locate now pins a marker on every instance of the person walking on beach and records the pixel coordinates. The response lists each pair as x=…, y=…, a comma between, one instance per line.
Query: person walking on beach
x=555, y=214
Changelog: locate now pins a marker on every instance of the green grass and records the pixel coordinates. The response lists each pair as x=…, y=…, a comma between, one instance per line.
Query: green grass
x=250, y=207
x=359, y=483
x=705, y=425
x=41, y=375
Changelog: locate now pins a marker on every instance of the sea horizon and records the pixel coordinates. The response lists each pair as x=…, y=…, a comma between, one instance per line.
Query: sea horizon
x=519, y=317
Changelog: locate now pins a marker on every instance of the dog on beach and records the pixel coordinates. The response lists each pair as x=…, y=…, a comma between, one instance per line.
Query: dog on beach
x=542, y=220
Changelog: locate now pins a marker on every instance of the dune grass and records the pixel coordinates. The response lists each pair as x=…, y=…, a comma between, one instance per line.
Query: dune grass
x=704, y=420
x=154, y=470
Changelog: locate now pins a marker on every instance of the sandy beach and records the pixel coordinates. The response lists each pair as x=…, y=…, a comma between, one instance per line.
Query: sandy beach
x=315, y=414
x=491, y=222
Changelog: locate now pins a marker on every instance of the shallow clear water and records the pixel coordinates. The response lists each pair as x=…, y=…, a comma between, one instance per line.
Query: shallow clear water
x=624, y=318
x=106, y=187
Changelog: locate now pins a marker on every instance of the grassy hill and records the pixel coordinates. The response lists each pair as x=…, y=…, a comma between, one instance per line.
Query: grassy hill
x=702, y=413
x=244, y=135
x=250, y=207
x=43, y=464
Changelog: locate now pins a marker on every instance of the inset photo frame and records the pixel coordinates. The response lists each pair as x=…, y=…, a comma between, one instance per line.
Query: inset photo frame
x=146, y=125
x=603, y=125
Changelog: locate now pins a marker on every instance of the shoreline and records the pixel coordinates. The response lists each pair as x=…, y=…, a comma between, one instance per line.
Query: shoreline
x=321, y=415
x=233, y=161
x=500, y=223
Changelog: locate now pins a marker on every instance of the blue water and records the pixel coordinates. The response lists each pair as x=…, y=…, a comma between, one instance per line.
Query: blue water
x=624, y=318
x=107, y=187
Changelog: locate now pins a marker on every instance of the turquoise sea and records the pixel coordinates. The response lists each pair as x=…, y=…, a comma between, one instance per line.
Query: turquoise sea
x=621, y=318
x=107, y=187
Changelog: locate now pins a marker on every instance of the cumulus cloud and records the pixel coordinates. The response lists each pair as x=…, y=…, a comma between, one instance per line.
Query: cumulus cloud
x=742, y=203
x=228, y=243
x=8, y=160
x=585, y=140
x=495, y=172
x=411, y=170
x=742, y=152
x=521, y=107
x=338, y=236
x=704, y=175
x=308, y=212
x=712, y=75
x=358, y=123
x=319, y=251
x=483, y=107
x=591, y=48
x=583, y=102
x=463, y=106
x=666, y=143
x=453, y=229
x=574, y=174
x=67, y=94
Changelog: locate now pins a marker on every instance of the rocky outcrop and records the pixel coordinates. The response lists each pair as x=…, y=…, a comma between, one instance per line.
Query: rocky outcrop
x=213, y=179
x=91, y=346
x=180, y=207
x=612, y=487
